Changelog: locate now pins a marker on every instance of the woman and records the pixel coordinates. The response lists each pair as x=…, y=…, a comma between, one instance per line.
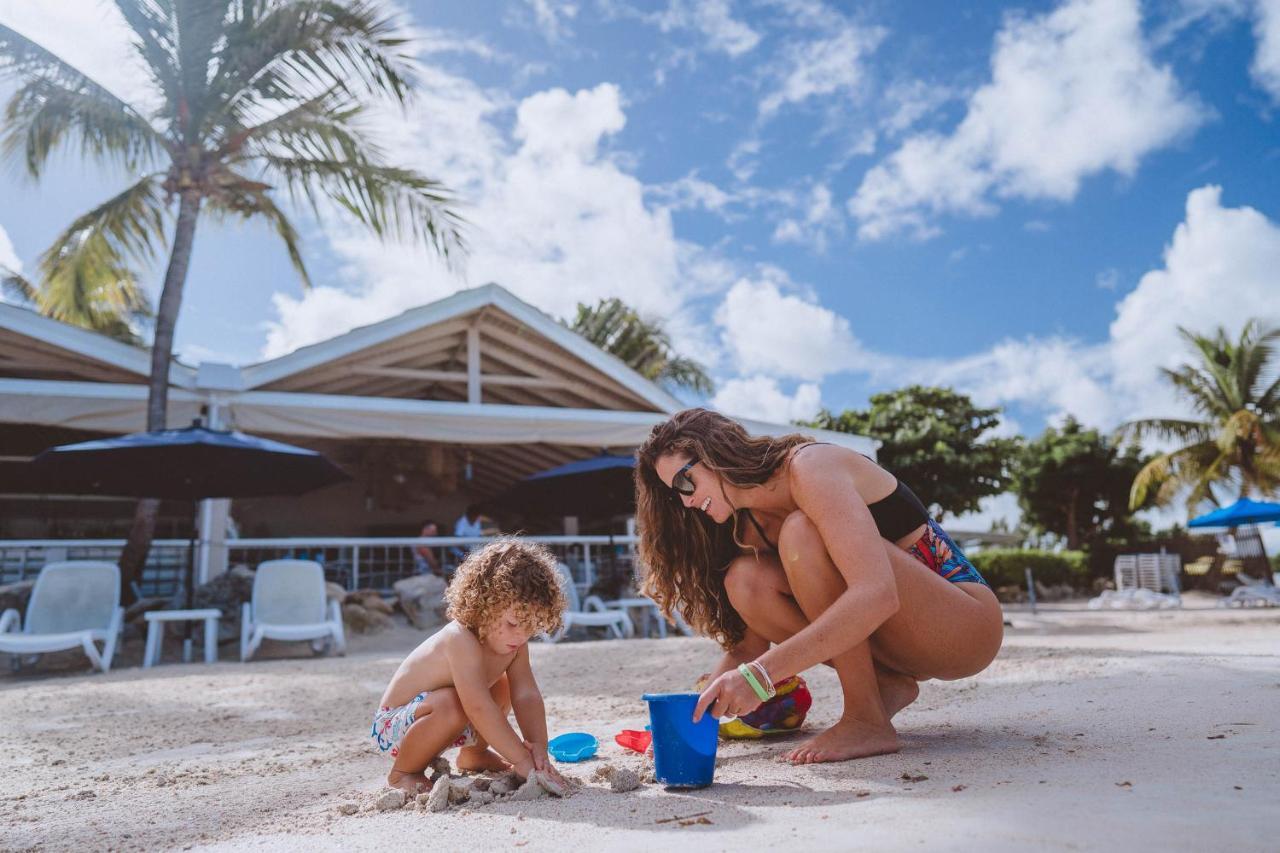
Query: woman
x=792, y=552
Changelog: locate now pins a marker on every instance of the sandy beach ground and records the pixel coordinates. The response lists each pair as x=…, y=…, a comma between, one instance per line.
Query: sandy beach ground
x=1092, y=731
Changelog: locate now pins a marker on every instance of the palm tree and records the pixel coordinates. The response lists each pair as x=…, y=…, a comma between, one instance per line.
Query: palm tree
x=643, y=344
x=103, y=299
x=1235, y=443
x=254, y=96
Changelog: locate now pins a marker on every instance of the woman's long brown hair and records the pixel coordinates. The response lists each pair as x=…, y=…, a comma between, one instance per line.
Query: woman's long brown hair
x=684, y=552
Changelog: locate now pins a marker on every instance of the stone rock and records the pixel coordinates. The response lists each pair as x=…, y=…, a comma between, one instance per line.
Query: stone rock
x=421, y=597
x=376, y=603
x=16, y=595
x=459, y=791
x=392, y=798
x=481, y=798
x=504, y=784
x=335, y=592
x=530, y=790
x=438, y=799
x=227, y=592
x=624, y=780
x=363, y=621
x=348, y=808
x=439, y=766
x=480, y=783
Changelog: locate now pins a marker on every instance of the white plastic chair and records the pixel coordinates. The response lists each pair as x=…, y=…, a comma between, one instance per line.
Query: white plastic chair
x=1252, y=592
x=73, y=604
x=589, y=612
x=289, y=604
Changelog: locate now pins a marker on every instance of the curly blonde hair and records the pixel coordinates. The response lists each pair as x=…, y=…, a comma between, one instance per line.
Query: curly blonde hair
x=507, y=572
x=684, y=552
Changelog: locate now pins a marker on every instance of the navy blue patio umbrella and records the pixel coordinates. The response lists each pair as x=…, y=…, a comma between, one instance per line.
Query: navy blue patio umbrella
x=190, y=464
x=602, y=485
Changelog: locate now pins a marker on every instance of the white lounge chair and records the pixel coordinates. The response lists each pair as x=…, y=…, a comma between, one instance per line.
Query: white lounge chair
x=589, y=612
x=289, y=604
x=73, y=605
x=1252, y=592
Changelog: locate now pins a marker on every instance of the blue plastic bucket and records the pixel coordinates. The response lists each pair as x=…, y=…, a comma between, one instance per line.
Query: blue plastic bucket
x=684, y=752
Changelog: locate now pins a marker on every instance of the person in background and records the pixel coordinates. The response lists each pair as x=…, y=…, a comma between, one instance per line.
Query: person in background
x=469, y=526
x=424, y=556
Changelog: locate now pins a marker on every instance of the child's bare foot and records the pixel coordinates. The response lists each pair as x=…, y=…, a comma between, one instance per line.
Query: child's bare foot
x=897, y=690
x=845, y=740
x=410, y=783
x=481, y=759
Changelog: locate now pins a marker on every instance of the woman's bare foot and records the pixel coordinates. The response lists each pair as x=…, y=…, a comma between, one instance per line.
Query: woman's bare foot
x=410, y=783
x=845, y=740
x=897, y=690
x=481, y=758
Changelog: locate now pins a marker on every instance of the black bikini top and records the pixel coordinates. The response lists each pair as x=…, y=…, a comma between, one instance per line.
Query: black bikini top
x=895, y=515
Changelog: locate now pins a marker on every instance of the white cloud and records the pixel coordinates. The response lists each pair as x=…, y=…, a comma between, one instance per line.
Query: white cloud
x=761, y=398
x=818, y=224
x=1072, y=93
x=92, y=36
x=781, y=334
x=714, y=20
x=553, y=17
x=1219, y=270
x=552, y=216
x=1266, y=61
x=8, y=255
x=1108, y=279
x=909, y=101
x=821, y=67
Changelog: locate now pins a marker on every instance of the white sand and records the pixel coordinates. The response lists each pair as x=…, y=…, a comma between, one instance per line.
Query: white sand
x=1154, y=731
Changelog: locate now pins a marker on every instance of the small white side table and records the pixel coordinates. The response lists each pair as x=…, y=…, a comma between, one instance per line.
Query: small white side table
x=155, y=632
x=647, y=606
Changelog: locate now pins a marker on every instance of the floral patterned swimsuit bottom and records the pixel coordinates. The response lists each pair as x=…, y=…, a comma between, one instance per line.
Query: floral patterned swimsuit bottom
x=390, y=724
x=935, y=549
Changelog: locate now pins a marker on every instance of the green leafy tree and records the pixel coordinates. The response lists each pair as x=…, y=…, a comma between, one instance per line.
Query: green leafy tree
x=254, y=98
x=1234, y=442
x=936, y=440
x=641, y=343
x=1074, y=482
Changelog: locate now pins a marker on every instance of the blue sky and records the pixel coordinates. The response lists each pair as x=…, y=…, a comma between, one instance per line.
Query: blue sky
x=821, y=200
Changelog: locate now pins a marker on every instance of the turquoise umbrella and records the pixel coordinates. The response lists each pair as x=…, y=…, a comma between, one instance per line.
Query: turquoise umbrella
x=1240, y=513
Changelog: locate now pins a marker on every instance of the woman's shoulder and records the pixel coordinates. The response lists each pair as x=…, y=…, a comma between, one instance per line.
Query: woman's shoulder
x=830, y=466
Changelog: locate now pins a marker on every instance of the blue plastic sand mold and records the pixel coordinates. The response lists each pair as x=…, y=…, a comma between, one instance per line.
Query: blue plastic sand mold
x=573, y=746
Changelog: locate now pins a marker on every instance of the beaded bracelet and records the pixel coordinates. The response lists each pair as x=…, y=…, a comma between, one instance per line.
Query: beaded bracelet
x=765, y=680
x=745, y=672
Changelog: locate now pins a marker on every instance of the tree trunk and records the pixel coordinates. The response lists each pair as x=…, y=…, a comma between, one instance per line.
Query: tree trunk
x=1073, y=525
x=134, y=555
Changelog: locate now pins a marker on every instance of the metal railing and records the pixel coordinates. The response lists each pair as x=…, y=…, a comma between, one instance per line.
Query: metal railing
x=352, y=562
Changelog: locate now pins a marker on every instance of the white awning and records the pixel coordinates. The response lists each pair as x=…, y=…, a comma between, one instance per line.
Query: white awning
x=122, y=408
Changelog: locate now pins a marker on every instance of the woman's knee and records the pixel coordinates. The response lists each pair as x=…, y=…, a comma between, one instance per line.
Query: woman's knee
x=799, y=536
x=749, y=580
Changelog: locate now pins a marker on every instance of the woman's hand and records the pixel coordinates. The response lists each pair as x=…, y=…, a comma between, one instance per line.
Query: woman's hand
x=728, y=696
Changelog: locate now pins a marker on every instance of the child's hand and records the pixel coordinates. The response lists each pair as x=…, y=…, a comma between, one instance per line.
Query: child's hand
x=538, y=751
x=728, y=696
x=524, y=768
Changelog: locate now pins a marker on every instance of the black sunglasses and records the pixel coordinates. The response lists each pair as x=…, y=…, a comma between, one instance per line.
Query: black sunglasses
x=681, y=483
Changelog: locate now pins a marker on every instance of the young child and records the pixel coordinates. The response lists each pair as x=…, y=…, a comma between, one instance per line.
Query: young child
x=458, y=686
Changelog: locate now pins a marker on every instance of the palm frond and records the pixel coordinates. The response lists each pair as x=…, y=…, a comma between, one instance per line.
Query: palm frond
x=129, y=225
x=156, y=41
x=43, y=113
x=391, y=201
x=1164, y=428
x=277, y=51
x=17, y=287
x=247, y=199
